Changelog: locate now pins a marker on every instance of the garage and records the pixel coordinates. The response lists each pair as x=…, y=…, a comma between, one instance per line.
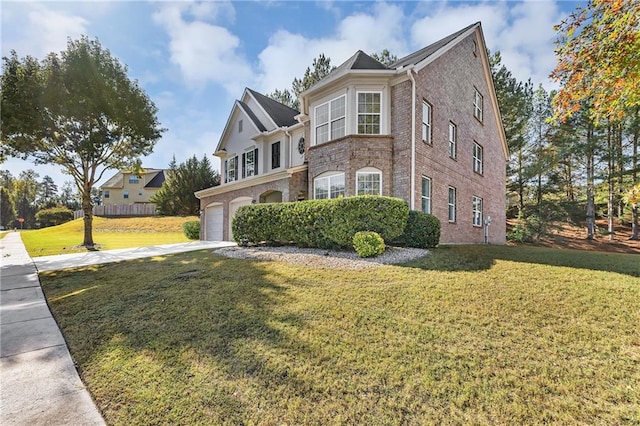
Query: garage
x=214, y=223
x=234, y=205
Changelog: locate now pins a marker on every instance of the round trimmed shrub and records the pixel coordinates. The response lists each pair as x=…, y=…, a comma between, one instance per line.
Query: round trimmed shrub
x=421, y=231
x=368, y=244
x=54, y=216
x=192, y=229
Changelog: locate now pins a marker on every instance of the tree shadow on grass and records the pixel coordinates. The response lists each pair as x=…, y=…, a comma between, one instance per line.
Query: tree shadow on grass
x=203, y=336
x=483, y=257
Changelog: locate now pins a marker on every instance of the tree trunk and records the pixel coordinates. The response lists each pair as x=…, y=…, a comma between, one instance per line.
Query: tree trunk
x=635, y=233
x=610, y=182
x=87, y=208
x=591, y=208
x=520, y=182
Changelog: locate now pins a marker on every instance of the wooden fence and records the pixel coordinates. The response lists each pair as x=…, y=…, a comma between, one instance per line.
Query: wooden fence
x=113, y=210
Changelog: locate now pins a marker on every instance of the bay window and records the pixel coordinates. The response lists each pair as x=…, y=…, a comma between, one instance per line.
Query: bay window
x=330, y=120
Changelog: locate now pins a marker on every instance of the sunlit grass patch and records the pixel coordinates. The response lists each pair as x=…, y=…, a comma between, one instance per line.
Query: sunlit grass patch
x=108, y=233
x=466, y=335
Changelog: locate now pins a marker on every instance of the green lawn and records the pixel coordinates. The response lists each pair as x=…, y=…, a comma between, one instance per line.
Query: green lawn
x=467, y=335
x=108, y=234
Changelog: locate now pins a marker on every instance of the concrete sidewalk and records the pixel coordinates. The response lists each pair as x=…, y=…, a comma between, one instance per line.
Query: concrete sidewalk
x=39, y=384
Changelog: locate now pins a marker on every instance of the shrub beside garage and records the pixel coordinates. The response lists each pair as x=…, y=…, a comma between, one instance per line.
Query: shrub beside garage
x=328, y=224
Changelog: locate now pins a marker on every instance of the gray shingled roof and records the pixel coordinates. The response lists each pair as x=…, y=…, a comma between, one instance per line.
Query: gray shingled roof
x=252, y=116
x=157, y=180
x=281, y=114
x=424, y=53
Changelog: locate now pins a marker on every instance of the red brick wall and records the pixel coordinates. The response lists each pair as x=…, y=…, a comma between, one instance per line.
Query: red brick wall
x=448, y=85
x=349, y=154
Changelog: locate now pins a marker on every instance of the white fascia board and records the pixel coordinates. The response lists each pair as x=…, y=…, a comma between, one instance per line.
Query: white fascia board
x=247, y=183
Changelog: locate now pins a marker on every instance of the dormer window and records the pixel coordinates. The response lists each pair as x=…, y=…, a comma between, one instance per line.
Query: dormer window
x=330, y=122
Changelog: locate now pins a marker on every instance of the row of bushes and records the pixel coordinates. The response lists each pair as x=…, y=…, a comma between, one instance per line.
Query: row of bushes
x=332, y=224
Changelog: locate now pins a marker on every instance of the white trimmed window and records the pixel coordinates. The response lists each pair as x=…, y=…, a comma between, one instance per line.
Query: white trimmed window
x=477, y=211
x=477, y=104
x=328, y=186
x=231, y=167
x=452, y=204
x=250, y=163
x=134, y=179
x=426, y=194
x=106, y=193
x=369, y=181
x=426, y=122
x=453, y=139
x=125, y=193
x=477, y=158
x=368, y=113
x=330, y=121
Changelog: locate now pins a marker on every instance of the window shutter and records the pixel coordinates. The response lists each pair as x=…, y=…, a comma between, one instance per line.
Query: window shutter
x=235, y=174
x=244, y=163
x=226, y=170
x=255, y=161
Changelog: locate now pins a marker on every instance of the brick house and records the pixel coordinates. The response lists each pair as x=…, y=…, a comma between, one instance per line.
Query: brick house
x=426, y=129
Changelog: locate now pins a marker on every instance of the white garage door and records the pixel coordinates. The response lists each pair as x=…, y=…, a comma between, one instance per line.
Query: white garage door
x=214, y=223
x=233, y=208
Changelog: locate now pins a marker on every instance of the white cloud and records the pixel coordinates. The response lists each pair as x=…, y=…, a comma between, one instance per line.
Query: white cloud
x=288, y=54
x=42, y=29
x=523, y=32
x=204, y=52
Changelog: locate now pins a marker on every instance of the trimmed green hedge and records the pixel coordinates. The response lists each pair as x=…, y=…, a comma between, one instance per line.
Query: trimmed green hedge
x=191, y=229
x=320, y=223
x=54, y=216
x=422, y=231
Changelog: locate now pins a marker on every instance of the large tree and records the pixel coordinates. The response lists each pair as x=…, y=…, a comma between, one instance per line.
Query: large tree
x=176, y=195
x=321, y=68
x=77, y=109
x=598, y=61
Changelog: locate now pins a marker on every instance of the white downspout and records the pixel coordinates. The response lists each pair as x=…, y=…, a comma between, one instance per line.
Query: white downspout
x=413, y=139
x=286, y=132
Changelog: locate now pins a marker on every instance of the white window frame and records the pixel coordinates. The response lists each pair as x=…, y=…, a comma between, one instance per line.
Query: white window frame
x=106, y=193
x=478, y=153
x=372, y=114
x=453, y=139
x=331, y=121
x=477, y=104
x=452, y=204
x=133, y=179
x=230, y=169
x=249, y=167
x=477, y=210
x=426, y=125
x=329, y=178
x=426, y=198
x=368, y=172
x=125, y=194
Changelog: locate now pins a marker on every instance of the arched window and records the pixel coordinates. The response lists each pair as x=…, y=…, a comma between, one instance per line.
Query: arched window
x=328, y=185
x=369, y=181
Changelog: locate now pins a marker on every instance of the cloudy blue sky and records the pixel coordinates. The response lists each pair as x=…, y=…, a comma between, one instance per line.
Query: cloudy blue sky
x=195, y=58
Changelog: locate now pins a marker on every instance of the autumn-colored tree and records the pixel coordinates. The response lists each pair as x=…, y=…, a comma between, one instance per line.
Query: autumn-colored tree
x=598, y=61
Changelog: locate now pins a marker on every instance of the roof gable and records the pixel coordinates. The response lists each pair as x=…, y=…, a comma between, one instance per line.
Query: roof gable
x=424, y=53
x=281, y=114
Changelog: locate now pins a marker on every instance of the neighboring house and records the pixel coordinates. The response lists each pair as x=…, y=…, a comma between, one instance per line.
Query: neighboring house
x=426, y=129
x=126, y=187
